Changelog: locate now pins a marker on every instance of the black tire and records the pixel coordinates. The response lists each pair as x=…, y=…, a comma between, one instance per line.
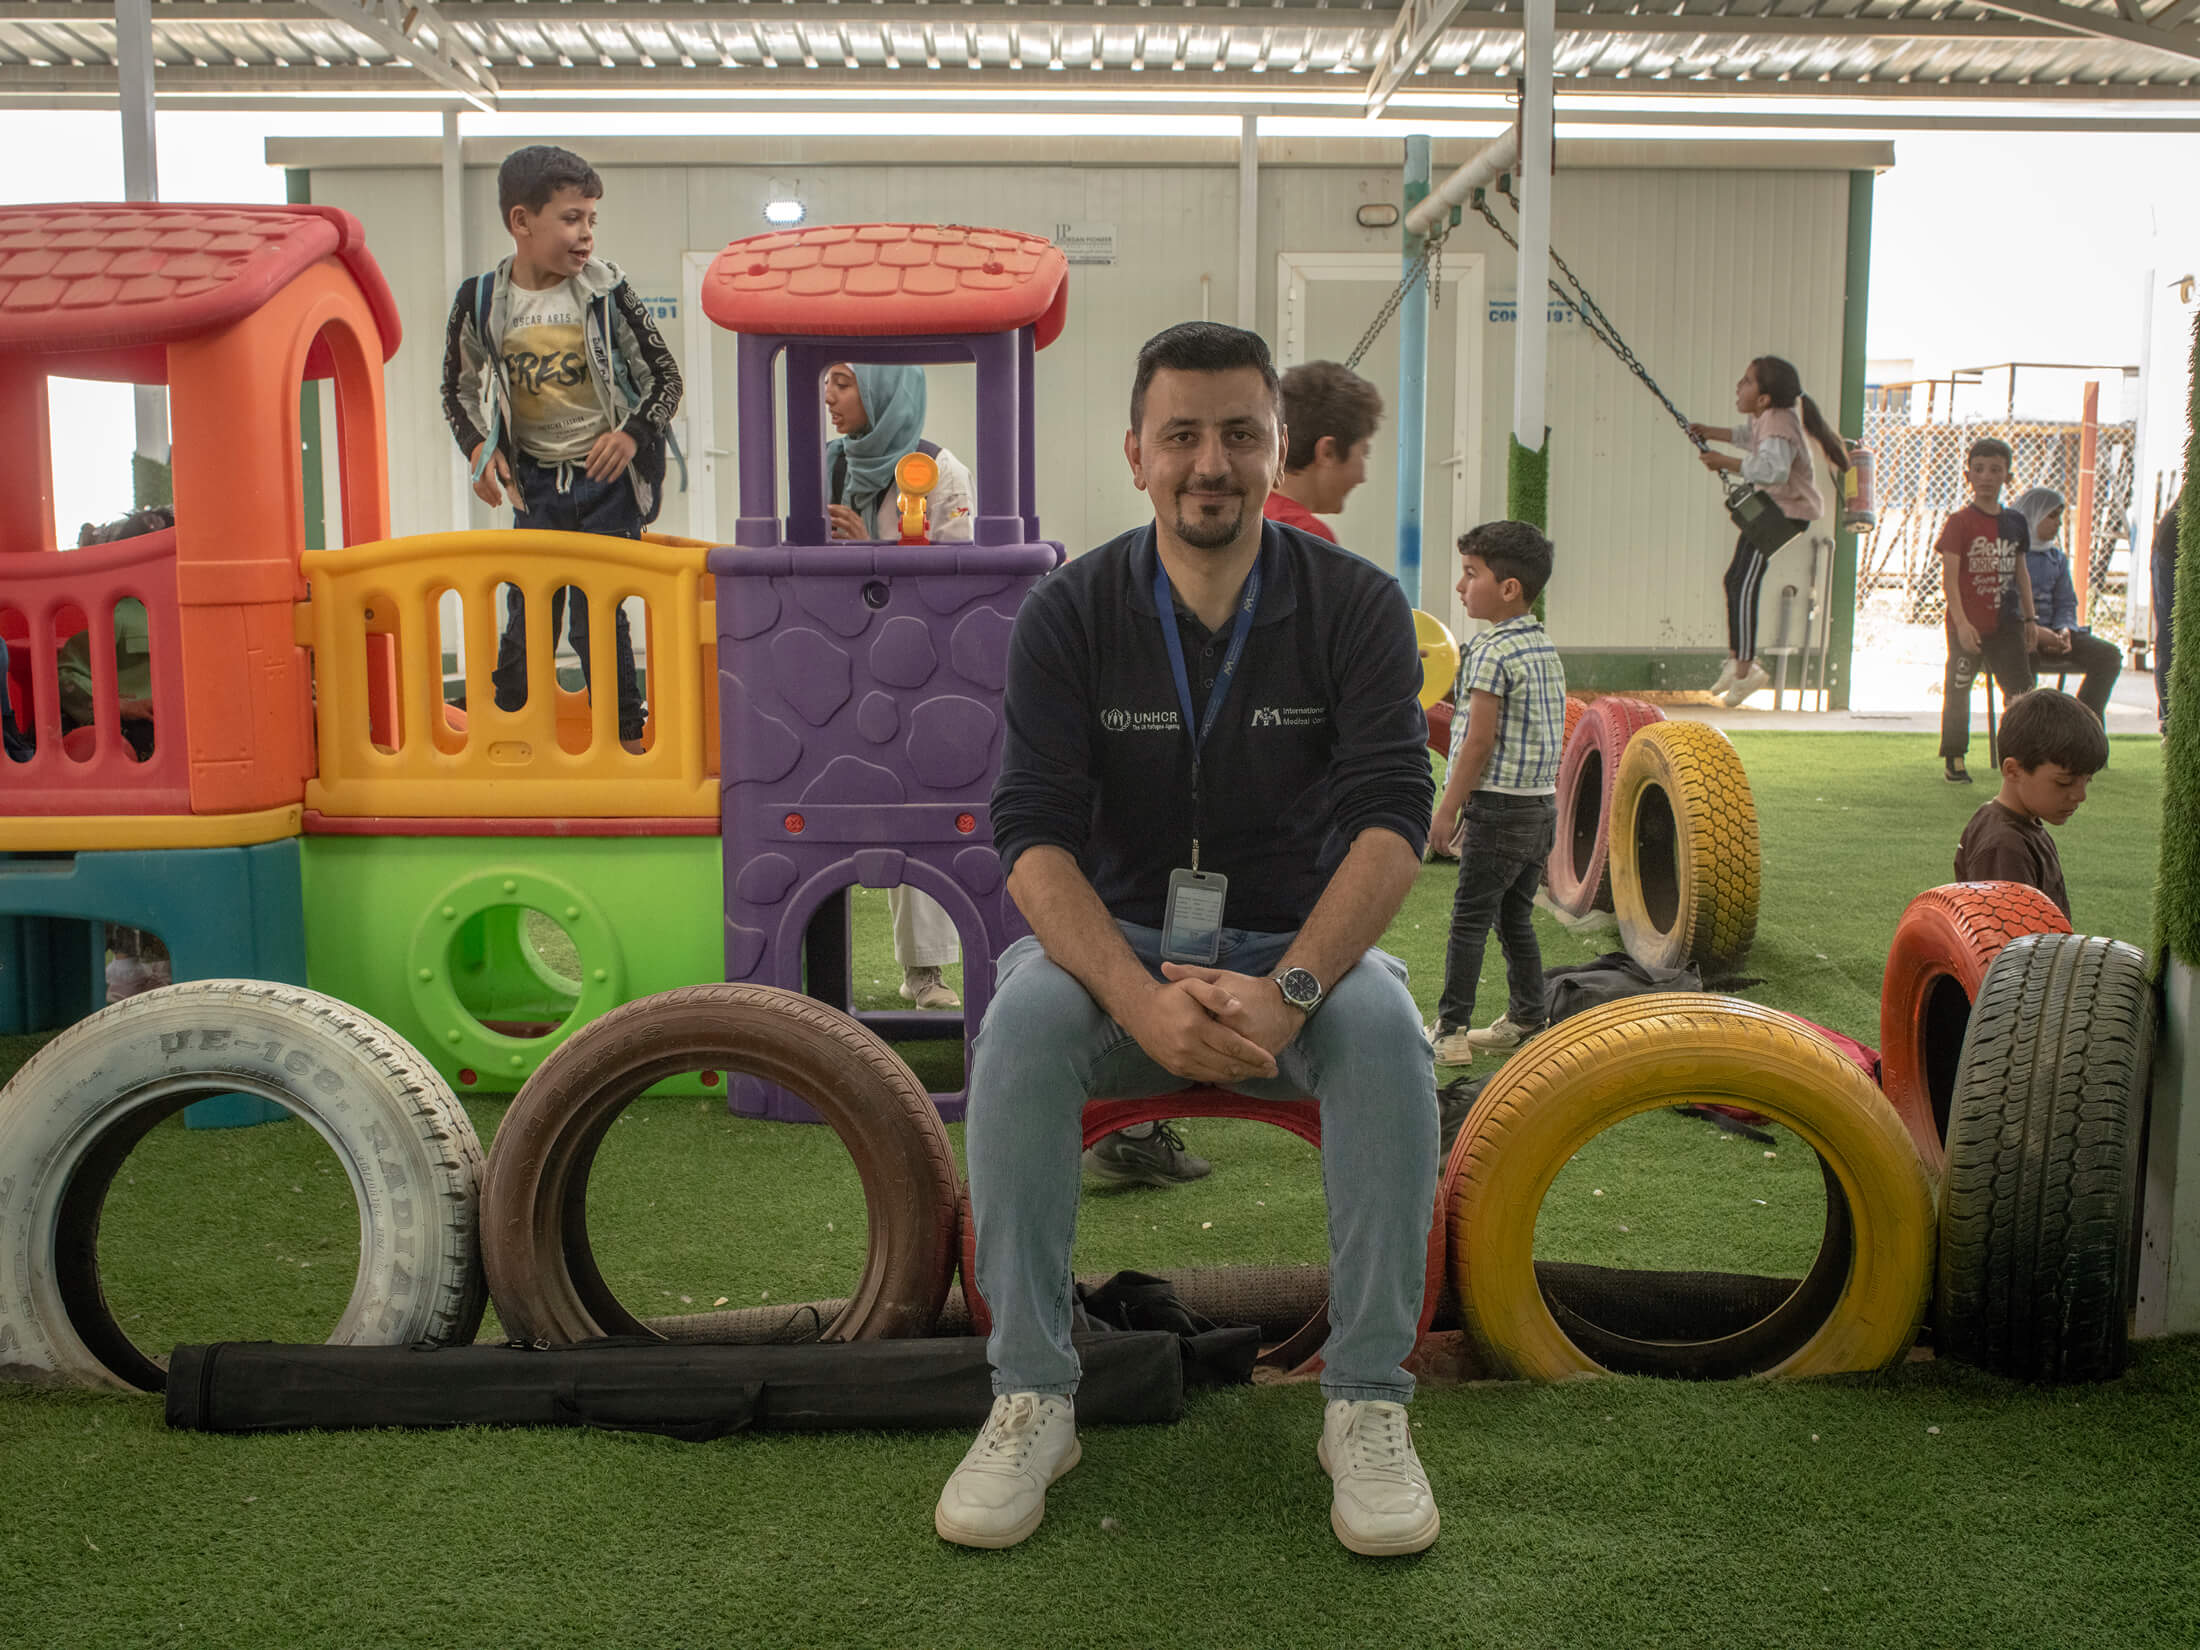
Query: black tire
x=72, y=1115
x=2039, y=1208
x=542, y=1271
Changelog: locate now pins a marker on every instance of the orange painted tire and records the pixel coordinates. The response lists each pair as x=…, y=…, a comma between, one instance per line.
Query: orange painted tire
x=1302, y=1117
x=1588, y=776
x=1941, y=950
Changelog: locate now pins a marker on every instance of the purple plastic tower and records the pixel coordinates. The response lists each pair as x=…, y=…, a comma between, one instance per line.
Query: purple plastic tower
x=860, y=693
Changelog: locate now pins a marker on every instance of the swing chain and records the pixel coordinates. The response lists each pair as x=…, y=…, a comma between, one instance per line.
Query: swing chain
x=1430, y=263
x=1593, y=317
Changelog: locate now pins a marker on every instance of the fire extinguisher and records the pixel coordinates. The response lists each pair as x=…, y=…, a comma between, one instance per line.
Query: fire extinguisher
x=1859, y=497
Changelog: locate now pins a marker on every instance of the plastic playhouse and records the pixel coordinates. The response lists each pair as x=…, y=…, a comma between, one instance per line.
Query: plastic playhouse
x=333, y=792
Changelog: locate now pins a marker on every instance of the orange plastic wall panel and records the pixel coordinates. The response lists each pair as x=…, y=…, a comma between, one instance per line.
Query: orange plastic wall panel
x=240, y=525
x=494, y=763
x=95, y=771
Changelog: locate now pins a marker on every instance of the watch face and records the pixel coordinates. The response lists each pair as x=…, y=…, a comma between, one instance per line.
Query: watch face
x=1300, y=988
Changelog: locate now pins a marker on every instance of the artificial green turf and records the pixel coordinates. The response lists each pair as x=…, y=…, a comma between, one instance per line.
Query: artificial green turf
x=1609, y=1512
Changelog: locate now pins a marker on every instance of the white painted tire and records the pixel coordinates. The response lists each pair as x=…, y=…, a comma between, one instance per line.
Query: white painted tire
x=71, y=1116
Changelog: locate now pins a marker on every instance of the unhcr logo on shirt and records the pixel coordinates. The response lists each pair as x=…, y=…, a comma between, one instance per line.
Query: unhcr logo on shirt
x=1118, y=720
x=1290, y=716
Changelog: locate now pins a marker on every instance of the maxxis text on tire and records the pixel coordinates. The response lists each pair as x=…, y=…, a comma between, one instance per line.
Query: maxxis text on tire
x=2039, y=1208
x=1942, y=947
x=542, y=1271
x=71, y=1116
x=1861, y=1305
x=1578, y=871
x=1685, y=867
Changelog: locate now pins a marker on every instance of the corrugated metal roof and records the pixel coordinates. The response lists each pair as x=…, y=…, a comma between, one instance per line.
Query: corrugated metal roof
x=57, y=51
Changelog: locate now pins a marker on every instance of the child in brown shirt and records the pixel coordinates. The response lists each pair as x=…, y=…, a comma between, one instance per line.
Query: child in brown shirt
x=2051, y=747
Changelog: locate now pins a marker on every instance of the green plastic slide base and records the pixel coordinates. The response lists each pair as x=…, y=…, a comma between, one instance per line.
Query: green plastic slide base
x=431, y=935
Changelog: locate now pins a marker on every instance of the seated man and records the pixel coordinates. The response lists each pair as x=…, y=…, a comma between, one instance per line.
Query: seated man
x=1208, y=696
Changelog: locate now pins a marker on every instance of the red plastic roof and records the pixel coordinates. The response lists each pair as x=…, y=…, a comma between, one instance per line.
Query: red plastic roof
x=121, y=275
x=871, y=280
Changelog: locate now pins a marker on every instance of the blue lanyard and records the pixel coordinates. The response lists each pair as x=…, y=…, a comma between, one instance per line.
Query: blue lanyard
x=1248, y=600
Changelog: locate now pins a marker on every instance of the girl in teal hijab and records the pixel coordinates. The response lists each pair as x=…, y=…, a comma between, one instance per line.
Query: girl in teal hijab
x=880, y=422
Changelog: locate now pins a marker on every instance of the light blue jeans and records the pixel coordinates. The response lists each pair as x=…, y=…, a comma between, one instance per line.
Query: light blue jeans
x=1046, y=1048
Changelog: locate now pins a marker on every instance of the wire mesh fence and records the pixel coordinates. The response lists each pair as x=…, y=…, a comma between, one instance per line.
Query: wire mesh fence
x=1920, y=481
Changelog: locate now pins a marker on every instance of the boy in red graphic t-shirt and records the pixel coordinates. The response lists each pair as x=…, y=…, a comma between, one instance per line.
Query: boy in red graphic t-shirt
x=1991, y=617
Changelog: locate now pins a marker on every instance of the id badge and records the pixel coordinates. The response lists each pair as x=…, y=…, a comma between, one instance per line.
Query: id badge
x=1191, y=926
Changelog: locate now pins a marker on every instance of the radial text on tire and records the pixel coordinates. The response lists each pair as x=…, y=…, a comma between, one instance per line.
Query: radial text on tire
x=1685, y=869
x=71, y=1116
x=1862, y=1304
x=1577, y=872
x=2039, y=1210
x=542, y=1271
x=1942, y=948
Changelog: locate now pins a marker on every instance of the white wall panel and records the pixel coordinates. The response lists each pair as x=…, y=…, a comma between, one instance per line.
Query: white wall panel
x=1700, y=268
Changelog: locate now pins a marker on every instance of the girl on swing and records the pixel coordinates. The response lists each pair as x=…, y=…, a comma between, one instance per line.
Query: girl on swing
x=1775, y=457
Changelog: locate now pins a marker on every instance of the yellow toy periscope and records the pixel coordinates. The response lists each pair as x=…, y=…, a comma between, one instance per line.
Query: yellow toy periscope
x=916, y=475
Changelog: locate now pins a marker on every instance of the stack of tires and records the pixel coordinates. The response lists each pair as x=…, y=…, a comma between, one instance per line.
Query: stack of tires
x=1656, y=823
x=2017, y=1055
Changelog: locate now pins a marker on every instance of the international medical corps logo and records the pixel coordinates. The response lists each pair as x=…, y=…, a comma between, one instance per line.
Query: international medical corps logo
x=1290, y=716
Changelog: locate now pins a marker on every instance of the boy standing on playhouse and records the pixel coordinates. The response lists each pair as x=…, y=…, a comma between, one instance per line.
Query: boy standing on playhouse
x=558, y=353
x=1506, y=730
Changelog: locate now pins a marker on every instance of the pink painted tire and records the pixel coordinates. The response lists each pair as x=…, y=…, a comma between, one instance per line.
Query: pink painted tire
x=1588, y=776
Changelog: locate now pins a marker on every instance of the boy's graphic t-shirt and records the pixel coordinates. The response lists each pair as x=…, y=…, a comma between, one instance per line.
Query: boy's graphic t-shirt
x=1986, y=547
x=556, y=416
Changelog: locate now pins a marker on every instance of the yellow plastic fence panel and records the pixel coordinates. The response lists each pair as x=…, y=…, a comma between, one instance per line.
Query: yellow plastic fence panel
x=391, y=747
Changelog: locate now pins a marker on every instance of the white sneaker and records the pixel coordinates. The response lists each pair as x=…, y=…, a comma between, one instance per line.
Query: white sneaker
x=999, y=1493
x=1756, y=678
x=1503, y=1033
x=925, y=988
x=1727, y=673
x=1381, y=1504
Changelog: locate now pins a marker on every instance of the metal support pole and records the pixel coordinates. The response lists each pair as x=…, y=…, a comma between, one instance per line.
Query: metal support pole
x=1248, y=270
x=2139, y=582
x=2080, y=516
x=1531, y=347
x=454, y=271
x=140, y=182
x=1412, y=382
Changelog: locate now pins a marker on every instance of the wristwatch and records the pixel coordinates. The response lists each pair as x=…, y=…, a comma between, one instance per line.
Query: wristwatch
x=1300, y=989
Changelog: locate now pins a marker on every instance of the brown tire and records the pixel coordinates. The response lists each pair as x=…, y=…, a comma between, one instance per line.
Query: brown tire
x=1935, y=967
x=1685, y=870
x=542, y=1271
x=1588, y=774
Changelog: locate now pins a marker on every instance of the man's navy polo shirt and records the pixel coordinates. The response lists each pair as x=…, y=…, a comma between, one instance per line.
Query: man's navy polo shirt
x=1321, y=737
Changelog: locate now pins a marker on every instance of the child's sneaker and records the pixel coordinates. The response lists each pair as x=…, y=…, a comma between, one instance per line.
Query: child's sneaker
x=1727, y=673
x=1751, y=681
x=1501, y=1034
x=1452, y=1045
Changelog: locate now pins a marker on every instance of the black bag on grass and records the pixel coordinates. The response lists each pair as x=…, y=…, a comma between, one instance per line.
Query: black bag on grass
x=1572, y=987
x=689, y=1392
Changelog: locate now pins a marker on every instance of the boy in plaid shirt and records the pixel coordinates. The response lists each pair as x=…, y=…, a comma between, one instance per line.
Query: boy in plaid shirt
x=1506, y=730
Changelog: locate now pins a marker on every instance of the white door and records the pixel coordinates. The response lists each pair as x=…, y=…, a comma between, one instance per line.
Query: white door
x=1325, y=302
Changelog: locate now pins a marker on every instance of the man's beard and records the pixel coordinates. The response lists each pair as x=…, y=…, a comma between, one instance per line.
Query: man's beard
x=1202, y=533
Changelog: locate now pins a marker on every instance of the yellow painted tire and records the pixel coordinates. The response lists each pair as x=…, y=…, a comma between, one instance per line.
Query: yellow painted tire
x=1684, y=858
x=1439, y=657
x=1598, y=1068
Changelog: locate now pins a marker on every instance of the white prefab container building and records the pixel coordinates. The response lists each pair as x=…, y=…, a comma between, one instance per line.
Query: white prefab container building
x=1704, y=254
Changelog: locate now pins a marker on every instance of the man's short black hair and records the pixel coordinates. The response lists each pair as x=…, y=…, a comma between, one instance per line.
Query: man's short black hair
x=1323, y=398
x=1511, y=550
x=1201, y=346
x=530, y=176
x=2046, y=725
x=1990, y=446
